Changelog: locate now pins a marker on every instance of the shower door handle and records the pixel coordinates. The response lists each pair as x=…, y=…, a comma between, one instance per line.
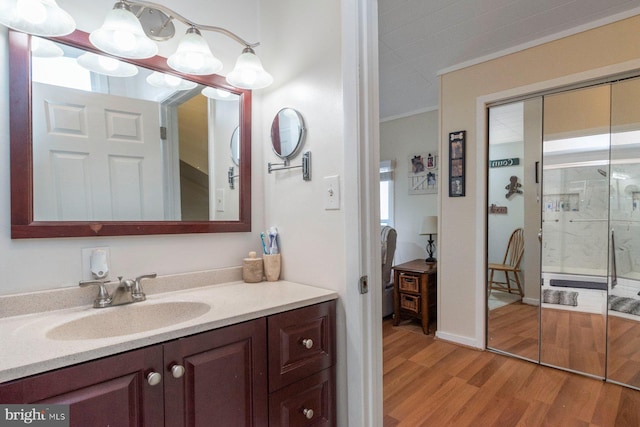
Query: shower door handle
x=540, y=235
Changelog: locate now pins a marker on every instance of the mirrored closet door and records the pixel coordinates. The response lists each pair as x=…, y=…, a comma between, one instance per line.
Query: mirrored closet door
x=513, y=250
x=565, y=168
x=575, y=229
x=623, y=325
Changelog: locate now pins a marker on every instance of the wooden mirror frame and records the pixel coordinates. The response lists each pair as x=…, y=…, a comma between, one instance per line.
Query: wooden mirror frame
x=22, y=223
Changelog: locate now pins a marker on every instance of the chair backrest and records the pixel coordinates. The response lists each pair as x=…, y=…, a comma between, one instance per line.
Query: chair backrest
x=515, y=248
x=388, y=236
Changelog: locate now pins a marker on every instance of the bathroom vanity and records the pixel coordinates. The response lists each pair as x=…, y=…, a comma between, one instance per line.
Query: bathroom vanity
x=270, y=363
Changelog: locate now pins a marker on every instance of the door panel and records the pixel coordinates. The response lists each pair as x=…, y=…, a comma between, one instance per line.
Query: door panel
x=623, y=352
x=96, y=156
x=575, y=234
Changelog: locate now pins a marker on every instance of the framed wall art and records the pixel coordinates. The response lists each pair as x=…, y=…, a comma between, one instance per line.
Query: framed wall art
x=423, y=173
x=457, y=163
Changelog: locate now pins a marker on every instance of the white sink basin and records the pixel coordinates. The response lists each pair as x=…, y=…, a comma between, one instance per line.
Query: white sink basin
x=128, y=319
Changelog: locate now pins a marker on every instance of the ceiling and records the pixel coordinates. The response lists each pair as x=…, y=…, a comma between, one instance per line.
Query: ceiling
x=420, y=38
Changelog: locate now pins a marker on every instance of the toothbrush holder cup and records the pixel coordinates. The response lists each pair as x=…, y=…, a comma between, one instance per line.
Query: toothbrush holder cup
x=272, y=265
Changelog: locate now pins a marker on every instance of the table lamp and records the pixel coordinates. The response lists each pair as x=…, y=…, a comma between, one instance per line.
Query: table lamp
x=429, y=227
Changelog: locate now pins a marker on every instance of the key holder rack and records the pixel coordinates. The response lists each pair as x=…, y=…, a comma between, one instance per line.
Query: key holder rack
x=306, y=166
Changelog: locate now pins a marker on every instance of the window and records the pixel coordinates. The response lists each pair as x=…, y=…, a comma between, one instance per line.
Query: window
x=386, y=192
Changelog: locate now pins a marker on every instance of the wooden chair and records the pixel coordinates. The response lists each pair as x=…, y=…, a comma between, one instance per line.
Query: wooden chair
x=510, y=265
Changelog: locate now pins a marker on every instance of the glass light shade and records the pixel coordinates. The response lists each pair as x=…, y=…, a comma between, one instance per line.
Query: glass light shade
x=167, y=81
x=43, y=48
x=219, y=94
x=37, y=17
x=107, y=66
x=248, y=72
x=122, y=35
x=194, y=56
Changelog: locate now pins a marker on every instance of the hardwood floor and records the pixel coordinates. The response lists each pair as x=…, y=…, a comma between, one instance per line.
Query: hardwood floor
x=434, y=383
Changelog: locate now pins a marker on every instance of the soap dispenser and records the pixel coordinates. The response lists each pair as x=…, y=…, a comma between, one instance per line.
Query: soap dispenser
x=252, y=269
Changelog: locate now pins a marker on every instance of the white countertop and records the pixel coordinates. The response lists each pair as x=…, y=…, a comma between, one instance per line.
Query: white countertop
x=26, y=350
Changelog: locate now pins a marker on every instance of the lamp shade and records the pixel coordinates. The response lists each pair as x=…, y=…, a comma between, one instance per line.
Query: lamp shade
x=37, y=17
x=107, y=66
x=122, y=35
x=43, y=48
x=194, y=56
x=167, y=81
x=429, y=225
x=248, y=72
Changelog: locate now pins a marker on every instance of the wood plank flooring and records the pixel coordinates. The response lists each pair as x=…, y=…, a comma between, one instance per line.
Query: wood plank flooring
x=429, y=382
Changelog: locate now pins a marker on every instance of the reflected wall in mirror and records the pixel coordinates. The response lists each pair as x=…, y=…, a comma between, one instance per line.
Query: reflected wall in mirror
x=513, y=285
x=287, y=133
x=117, y=148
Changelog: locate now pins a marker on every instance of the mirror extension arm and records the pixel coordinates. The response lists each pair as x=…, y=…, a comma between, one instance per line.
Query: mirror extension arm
x=306, y=166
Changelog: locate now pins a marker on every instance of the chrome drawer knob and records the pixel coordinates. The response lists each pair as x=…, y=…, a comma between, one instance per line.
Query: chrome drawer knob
x=177, y=370
x=308, y=343
x=154, y=378
x=308, y=413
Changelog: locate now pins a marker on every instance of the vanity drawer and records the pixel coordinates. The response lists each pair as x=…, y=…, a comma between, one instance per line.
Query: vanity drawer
x=308, y=402
x=409, y=283
x=301, y=342
x=410, y=303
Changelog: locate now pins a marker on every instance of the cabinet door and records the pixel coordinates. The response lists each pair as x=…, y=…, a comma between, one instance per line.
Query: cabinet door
x=111, y=391
x=224, y=381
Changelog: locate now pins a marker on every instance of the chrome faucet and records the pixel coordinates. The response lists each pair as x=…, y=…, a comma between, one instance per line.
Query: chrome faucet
x=127, y=292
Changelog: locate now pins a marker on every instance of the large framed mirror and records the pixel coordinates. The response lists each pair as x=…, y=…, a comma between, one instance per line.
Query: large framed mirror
x=143, y=154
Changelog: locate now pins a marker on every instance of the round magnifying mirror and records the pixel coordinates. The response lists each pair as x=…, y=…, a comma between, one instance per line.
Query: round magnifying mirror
x=287, y=132
x=235, y=146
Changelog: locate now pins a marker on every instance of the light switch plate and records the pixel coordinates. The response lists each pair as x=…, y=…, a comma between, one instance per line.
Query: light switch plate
x=219, y=199
x=332, y=192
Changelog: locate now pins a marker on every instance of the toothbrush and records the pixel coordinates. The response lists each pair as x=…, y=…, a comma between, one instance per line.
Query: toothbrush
x=264, y=246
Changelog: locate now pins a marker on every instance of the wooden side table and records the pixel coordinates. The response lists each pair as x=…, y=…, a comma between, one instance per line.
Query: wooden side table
x=415, y=292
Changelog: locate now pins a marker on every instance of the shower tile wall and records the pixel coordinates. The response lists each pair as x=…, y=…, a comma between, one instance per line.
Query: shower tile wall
x=575, y=213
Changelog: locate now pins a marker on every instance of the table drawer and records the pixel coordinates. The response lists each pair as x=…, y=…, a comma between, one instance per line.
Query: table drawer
x=410, y=303
x=409, y=283
x=309, y=402
x=301, y=342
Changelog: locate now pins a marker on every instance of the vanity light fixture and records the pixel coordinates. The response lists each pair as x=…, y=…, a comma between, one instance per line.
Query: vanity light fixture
x=131, y=29
x=106, y=65
x=38, y=17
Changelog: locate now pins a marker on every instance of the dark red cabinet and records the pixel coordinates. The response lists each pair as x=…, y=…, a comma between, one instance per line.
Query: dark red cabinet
x=112, y=391
x=258, y=373
x=224, y=381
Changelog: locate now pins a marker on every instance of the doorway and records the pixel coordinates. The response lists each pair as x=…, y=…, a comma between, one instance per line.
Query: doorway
x=576, y=196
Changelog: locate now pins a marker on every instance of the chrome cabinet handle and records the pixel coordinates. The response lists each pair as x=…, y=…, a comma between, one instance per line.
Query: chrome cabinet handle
x=154, y=378
x=308, y=413
x=177, y=370
x=307, y=343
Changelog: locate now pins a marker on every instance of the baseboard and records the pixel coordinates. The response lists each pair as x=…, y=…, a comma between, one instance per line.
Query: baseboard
x=531, y=301
x=457, y=339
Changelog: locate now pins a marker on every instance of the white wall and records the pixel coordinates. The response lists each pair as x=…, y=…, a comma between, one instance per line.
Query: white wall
x=36, y=264
x=302, y=48
x=399, y=139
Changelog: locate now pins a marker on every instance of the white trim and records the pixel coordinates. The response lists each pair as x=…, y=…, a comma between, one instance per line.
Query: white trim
x=409, y=114
x=562, y=34
x=481, y=147
x=363, y=313
x=481, y=227
x=457, y=339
